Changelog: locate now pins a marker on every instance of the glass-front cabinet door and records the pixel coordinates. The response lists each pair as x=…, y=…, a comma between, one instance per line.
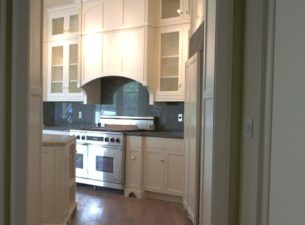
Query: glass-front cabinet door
x=57, y=70
x=64, y=71
x=170, y=55
x=174, y=10
x=73, y=69
x=173, y=50
x=62, y=24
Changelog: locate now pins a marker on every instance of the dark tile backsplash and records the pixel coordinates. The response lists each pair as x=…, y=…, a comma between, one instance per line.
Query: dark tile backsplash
x=131, y=99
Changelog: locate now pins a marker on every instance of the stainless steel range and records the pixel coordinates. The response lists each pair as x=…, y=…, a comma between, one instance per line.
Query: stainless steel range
x=101, y=150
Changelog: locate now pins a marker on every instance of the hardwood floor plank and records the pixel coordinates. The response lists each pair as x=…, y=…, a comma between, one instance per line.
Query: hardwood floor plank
x=104, y=207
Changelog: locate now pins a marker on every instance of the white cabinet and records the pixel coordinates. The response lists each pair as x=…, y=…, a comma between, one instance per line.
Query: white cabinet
x=92, y=56
x=134, y=46
x=173, y=53
x=58, y=181
x=134, y=161
x=92, y=17
x=63, y=23
x=63, y=71
x=197, y=14
x=134, y=13
x=191, y=137
x=62, y=55
x=118, y=53
x=112, y=52
x=174, y=11
x=112, y=14
x=164, y=165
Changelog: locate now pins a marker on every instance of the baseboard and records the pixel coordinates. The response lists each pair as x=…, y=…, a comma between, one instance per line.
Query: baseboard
x=163, y=197
x=130, y=192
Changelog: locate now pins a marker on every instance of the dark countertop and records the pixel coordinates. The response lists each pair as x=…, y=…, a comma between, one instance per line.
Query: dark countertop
x=163, y=134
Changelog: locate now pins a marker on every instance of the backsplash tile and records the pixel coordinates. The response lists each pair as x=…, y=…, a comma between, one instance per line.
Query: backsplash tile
x=131, y=99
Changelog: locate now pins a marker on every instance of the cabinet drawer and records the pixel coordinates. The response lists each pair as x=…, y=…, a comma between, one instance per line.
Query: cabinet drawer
x=163, y=143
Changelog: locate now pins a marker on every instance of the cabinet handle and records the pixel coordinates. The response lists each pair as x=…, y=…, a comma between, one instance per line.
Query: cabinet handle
x=179, y=11
x=162, y=160
x=133, y=158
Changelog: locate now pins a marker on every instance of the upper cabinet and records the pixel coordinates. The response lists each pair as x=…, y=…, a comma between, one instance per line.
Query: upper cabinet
x=119, y=53
x=173, y=52
x=62, y=55
x=109, y=15
x=63, y=23
x=174, y=11
x=197, y=14
x=63, y=70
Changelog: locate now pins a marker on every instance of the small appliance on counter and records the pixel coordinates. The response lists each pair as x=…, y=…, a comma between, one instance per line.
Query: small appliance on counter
x=100, y=150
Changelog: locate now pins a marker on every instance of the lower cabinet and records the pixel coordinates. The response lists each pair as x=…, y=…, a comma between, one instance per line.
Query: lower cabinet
x=58, y=183
x=164, y=165
x=154, y=165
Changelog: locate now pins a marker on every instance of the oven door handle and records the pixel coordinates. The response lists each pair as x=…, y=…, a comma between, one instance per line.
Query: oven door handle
x=106, y=147
x=85, y=144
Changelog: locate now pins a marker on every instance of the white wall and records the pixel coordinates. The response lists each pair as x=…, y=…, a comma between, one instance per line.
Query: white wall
x=251, y=106
x=3, y=208
x=2, y=119
x=287, y=178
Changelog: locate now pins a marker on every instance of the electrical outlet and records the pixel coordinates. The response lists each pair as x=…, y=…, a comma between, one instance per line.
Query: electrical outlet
x=248, y=128
x=180, y=117
x=80, y=115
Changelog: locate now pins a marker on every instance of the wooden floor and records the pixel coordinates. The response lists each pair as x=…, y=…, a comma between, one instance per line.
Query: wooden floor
x=102, y=207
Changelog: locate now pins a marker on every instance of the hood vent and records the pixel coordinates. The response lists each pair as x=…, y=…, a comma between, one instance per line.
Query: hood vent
x=108, y=90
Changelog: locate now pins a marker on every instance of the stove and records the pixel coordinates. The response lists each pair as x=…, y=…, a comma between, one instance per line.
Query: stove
x=100, y=157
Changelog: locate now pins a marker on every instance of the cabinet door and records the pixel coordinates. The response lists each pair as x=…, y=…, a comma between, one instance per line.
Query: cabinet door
x=198, y=14
x=56, y=70
x=112, y=14
x=173, y=50
x=73, y=69
x=134, y=13
x=48, y=181
x=64, y=23
x=174, y=11
x=174, y=172
x=112, y=53
x=133, y=169
x=133, y=54
x=154, y=170
x=92, y=57
x=92, y=17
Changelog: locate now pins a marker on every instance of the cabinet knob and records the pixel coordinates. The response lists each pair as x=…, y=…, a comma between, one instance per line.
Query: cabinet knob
x=179, y=11
x=133, y=158
x=162, y=160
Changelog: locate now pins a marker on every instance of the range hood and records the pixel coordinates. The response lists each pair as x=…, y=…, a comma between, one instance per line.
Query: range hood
x=103, y=90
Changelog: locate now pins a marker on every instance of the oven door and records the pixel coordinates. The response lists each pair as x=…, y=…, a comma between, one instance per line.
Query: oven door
x=81, y=161
x=106, y=164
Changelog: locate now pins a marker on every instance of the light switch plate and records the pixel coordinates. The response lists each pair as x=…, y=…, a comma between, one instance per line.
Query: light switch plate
x=248, y=128
x=180, y=117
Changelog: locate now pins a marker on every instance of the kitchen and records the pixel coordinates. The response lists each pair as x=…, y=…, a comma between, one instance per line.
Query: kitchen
x=118, y=85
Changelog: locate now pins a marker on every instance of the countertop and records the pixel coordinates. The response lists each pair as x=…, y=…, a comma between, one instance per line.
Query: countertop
x=162, y=134
x=56, y=140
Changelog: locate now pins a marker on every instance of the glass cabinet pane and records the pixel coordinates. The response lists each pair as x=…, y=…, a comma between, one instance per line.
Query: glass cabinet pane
x=74, y=23
x=73, y=69
x=170, y=44
x=57, y=70
x=169, y=9
x=58, y=26
x=169, y=71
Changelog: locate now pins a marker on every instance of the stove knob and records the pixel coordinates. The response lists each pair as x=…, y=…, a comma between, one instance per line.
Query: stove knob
x=112, y=140
x=106, y=139
x=77, y=137
x=118, y=140
x=83, y=137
